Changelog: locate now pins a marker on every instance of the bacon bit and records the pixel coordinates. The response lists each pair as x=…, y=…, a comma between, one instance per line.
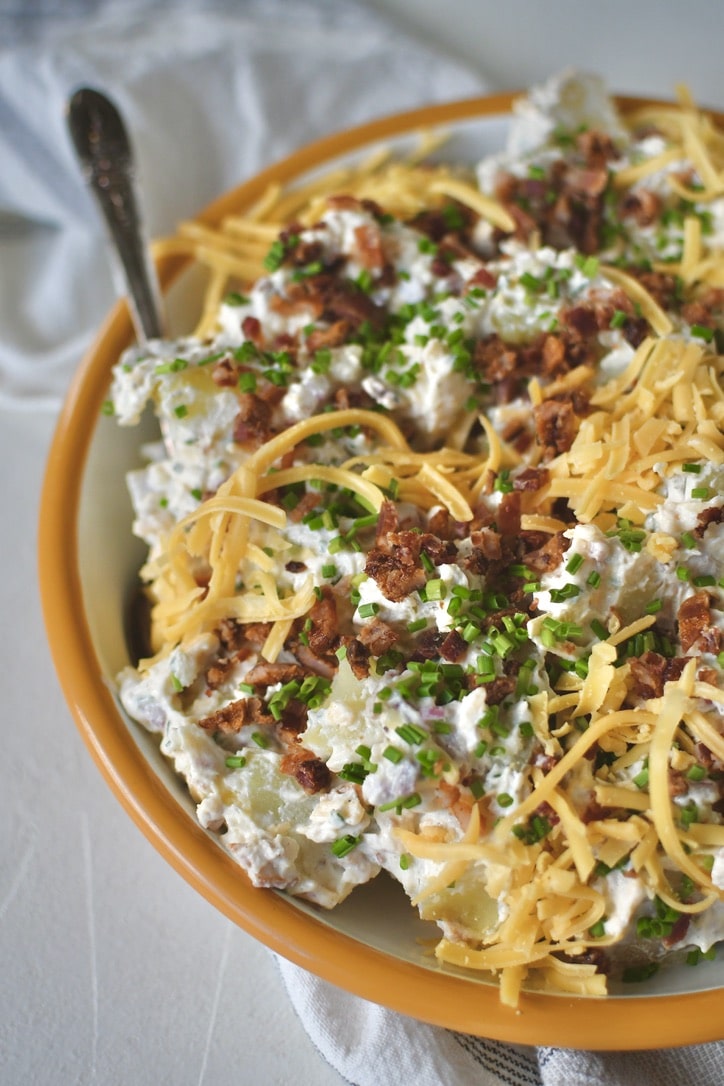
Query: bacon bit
x=397, y=574
x=597, y=147
x=251, y=327
x=232, y=634
x=318, y=665
x=453, y=647
x=344, y=398
x=324, y=636
x=643, y=205
x=661, y=286
x=225, y=374
x=377, y=636
x=443, y=526
x=650, y=672
x=581, y=319
x=358, y=657
x=427, y=644
x=300, y=297
x=694, y=619
x=555, y=425
x=387, y=520
x=267, y=674
x=497, y=690
x=252, y=425
x=678, y=931
x=482, y=278
x=368, y=246
x=531, y=479
x=332, y=336
x=217, y=672
x=508, y=516
x=549, y=555
x=698, y=312
x=678, y=784
x=233, y=717
x=306, y=504
x=306, y=252
x=308, y=770
x=342, y=299
x=488, y=542
x=495, y=359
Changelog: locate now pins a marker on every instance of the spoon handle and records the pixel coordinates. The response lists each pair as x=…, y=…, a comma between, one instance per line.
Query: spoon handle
x=104, y=151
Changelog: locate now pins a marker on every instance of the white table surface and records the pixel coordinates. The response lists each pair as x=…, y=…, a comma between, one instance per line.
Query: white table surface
x=114, y=970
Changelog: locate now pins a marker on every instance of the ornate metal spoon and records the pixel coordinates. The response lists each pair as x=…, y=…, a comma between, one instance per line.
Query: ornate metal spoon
x=104, y=150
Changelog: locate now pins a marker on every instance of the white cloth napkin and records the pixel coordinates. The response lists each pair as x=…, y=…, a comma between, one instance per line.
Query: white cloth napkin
x=212, y=92
x=372, y=1046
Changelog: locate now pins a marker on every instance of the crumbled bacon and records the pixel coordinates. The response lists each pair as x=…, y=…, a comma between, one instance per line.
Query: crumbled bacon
x=334, y=335
x=566, y=207
x=643, y=205
x=508, y=515
x=397, y=573
x=650, y=672
x=358, y=657
x=308, y=770
x=662, y=287
x=531, y=479
x=368, y=246
x=377, y=636
x=233, y=717
x=548, y=555
x=317, y=665
x=678, y=930
x=252, y=425
x=695, y=627
x=324, y=633
x=251, y=327
x=217, y=672
x=555, y=425
x=225, y=373
x=453, y=647
x=267, y=674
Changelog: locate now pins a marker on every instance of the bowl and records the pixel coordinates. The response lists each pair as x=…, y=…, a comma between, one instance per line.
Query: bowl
x=88, y=565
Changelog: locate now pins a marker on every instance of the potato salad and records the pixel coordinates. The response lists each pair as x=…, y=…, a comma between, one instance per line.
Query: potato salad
x=435, y=549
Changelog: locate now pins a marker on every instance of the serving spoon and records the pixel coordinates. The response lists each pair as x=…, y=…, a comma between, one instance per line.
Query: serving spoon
x=106, y=158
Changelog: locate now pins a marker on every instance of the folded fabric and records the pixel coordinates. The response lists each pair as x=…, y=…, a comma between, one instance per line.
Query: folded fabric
x=211, y=93
x=372, y=1046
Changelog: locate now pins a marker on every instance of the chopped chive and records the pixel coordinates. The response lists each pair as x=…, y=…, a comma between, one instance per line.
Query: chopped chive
x=345, y=845
x=235, y=761
x=393, y=754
